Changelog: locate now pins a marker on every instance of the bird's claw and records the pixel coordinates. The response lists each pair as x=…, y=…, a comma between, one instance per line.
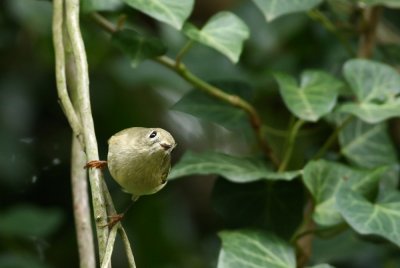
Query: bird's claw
x=96, y=164
x=114, y=219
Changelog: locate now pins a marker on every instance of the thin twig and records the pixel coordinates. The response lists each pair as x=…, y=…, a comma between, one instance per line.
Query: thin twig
x=81, y=207
x=318, y=16
x=61, y=80
x=370, y=21
x=304, y=244
x=104, y=23
x=121, y=230
x=290, y=144
x=332, y=137
x=83, y=97
x=106, y=261
x=108, y=200
x=128, y=249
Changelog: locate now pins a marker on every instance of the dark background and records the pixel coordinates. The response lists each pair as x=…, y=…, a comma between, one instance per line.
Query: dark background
x=178, y=226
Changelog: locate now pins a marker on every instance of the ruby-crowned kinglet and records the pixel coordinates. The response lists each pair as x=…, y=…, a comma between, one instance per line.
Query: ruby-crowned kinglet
x=139, y=159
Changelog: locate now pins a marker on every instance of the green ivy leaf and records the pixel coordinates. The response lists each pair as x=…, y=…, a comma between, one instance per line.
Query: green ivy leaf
x=376, y=87
x=224, y=32
x=313, y=98
x=249, y=249
x=367, y=145
x=204, y=106
x=26, y=221
x=276, y=8
x=171, y=12
x=137, y=46
x=322, y=265
x=233, y=168
x=100, y=5
x=388, y=3
x=381, y=218
x=323, y=179
x=276, y=208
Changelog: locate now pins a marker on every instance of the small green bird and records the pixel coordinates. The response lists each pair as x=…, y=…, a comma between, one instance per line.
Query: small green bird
x=139, y=159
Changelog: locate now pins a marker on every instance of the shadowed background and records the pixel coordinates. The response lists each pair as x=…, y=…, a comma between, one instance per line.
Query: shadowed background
x=178, y=226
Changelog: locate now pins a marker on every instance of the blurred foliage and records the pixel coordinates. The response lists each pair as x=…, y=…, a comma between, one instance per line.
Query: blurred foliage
x=179, y=226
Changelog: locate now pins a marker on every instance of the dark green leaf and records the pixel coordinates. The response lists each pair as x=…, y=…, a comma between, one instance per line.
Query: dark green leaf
x=100, y=5
x=367, y=145
x=388, y=3
x=313, y=98
x=323, y=179
x=137, y=46
x=28, y=221
x=324, y=265
x=250, y=249
x=171, y=12
x=376, y=87
x=204, y=106
x=274, y=207
x=275, y=8
x=224, y=32
x=233, y=168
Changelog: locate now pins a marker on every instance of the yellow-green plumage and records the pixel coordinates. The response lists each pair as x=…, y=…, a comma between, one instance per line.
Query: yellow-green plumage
x=139, y=159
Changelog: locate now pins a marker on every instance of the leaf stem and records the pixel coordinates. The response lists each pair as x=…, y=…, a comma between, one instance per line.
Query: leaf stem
x=304, y=244
x=332, y=137
x=104, y=23
x=370, y=21
x=183, y=52
x=290, y=144
x=234, y=100
x=320, y=17
x=285, y=133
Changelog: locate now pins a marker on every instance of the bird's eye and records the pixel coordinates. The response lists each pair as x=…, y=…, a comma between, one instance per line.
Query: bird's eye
x=153, y=134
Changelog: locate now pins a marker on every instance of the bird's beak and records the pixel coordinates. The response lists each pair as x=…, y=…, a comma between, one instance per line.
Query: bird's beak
x=166, y=146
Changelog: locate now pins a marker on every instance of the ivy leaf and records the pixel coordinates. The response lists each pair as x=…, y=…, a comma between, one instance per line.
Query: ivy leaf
x=249, y=249
x=388, y=3
x=381, y=218
x=171, y=12
x=376, y=87
x=322, y=265
x=204, y=106
x=100, y=5
x=233, y=168
x=224, y=32
x=137, y=46
x=323, y=179
x=276, y=8
x=367, y=145
x=27, y=221
x=276, y=208
x=313, y=98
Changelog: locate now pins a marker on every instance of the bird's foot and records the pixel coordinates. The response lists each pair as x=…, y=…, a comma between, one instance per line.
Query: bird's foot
x=96, y=164
x=114, y=219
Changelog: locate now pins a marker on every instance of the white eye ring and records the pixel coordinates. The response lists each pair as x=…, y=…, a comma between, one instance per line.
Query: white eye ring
x=153, y=134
